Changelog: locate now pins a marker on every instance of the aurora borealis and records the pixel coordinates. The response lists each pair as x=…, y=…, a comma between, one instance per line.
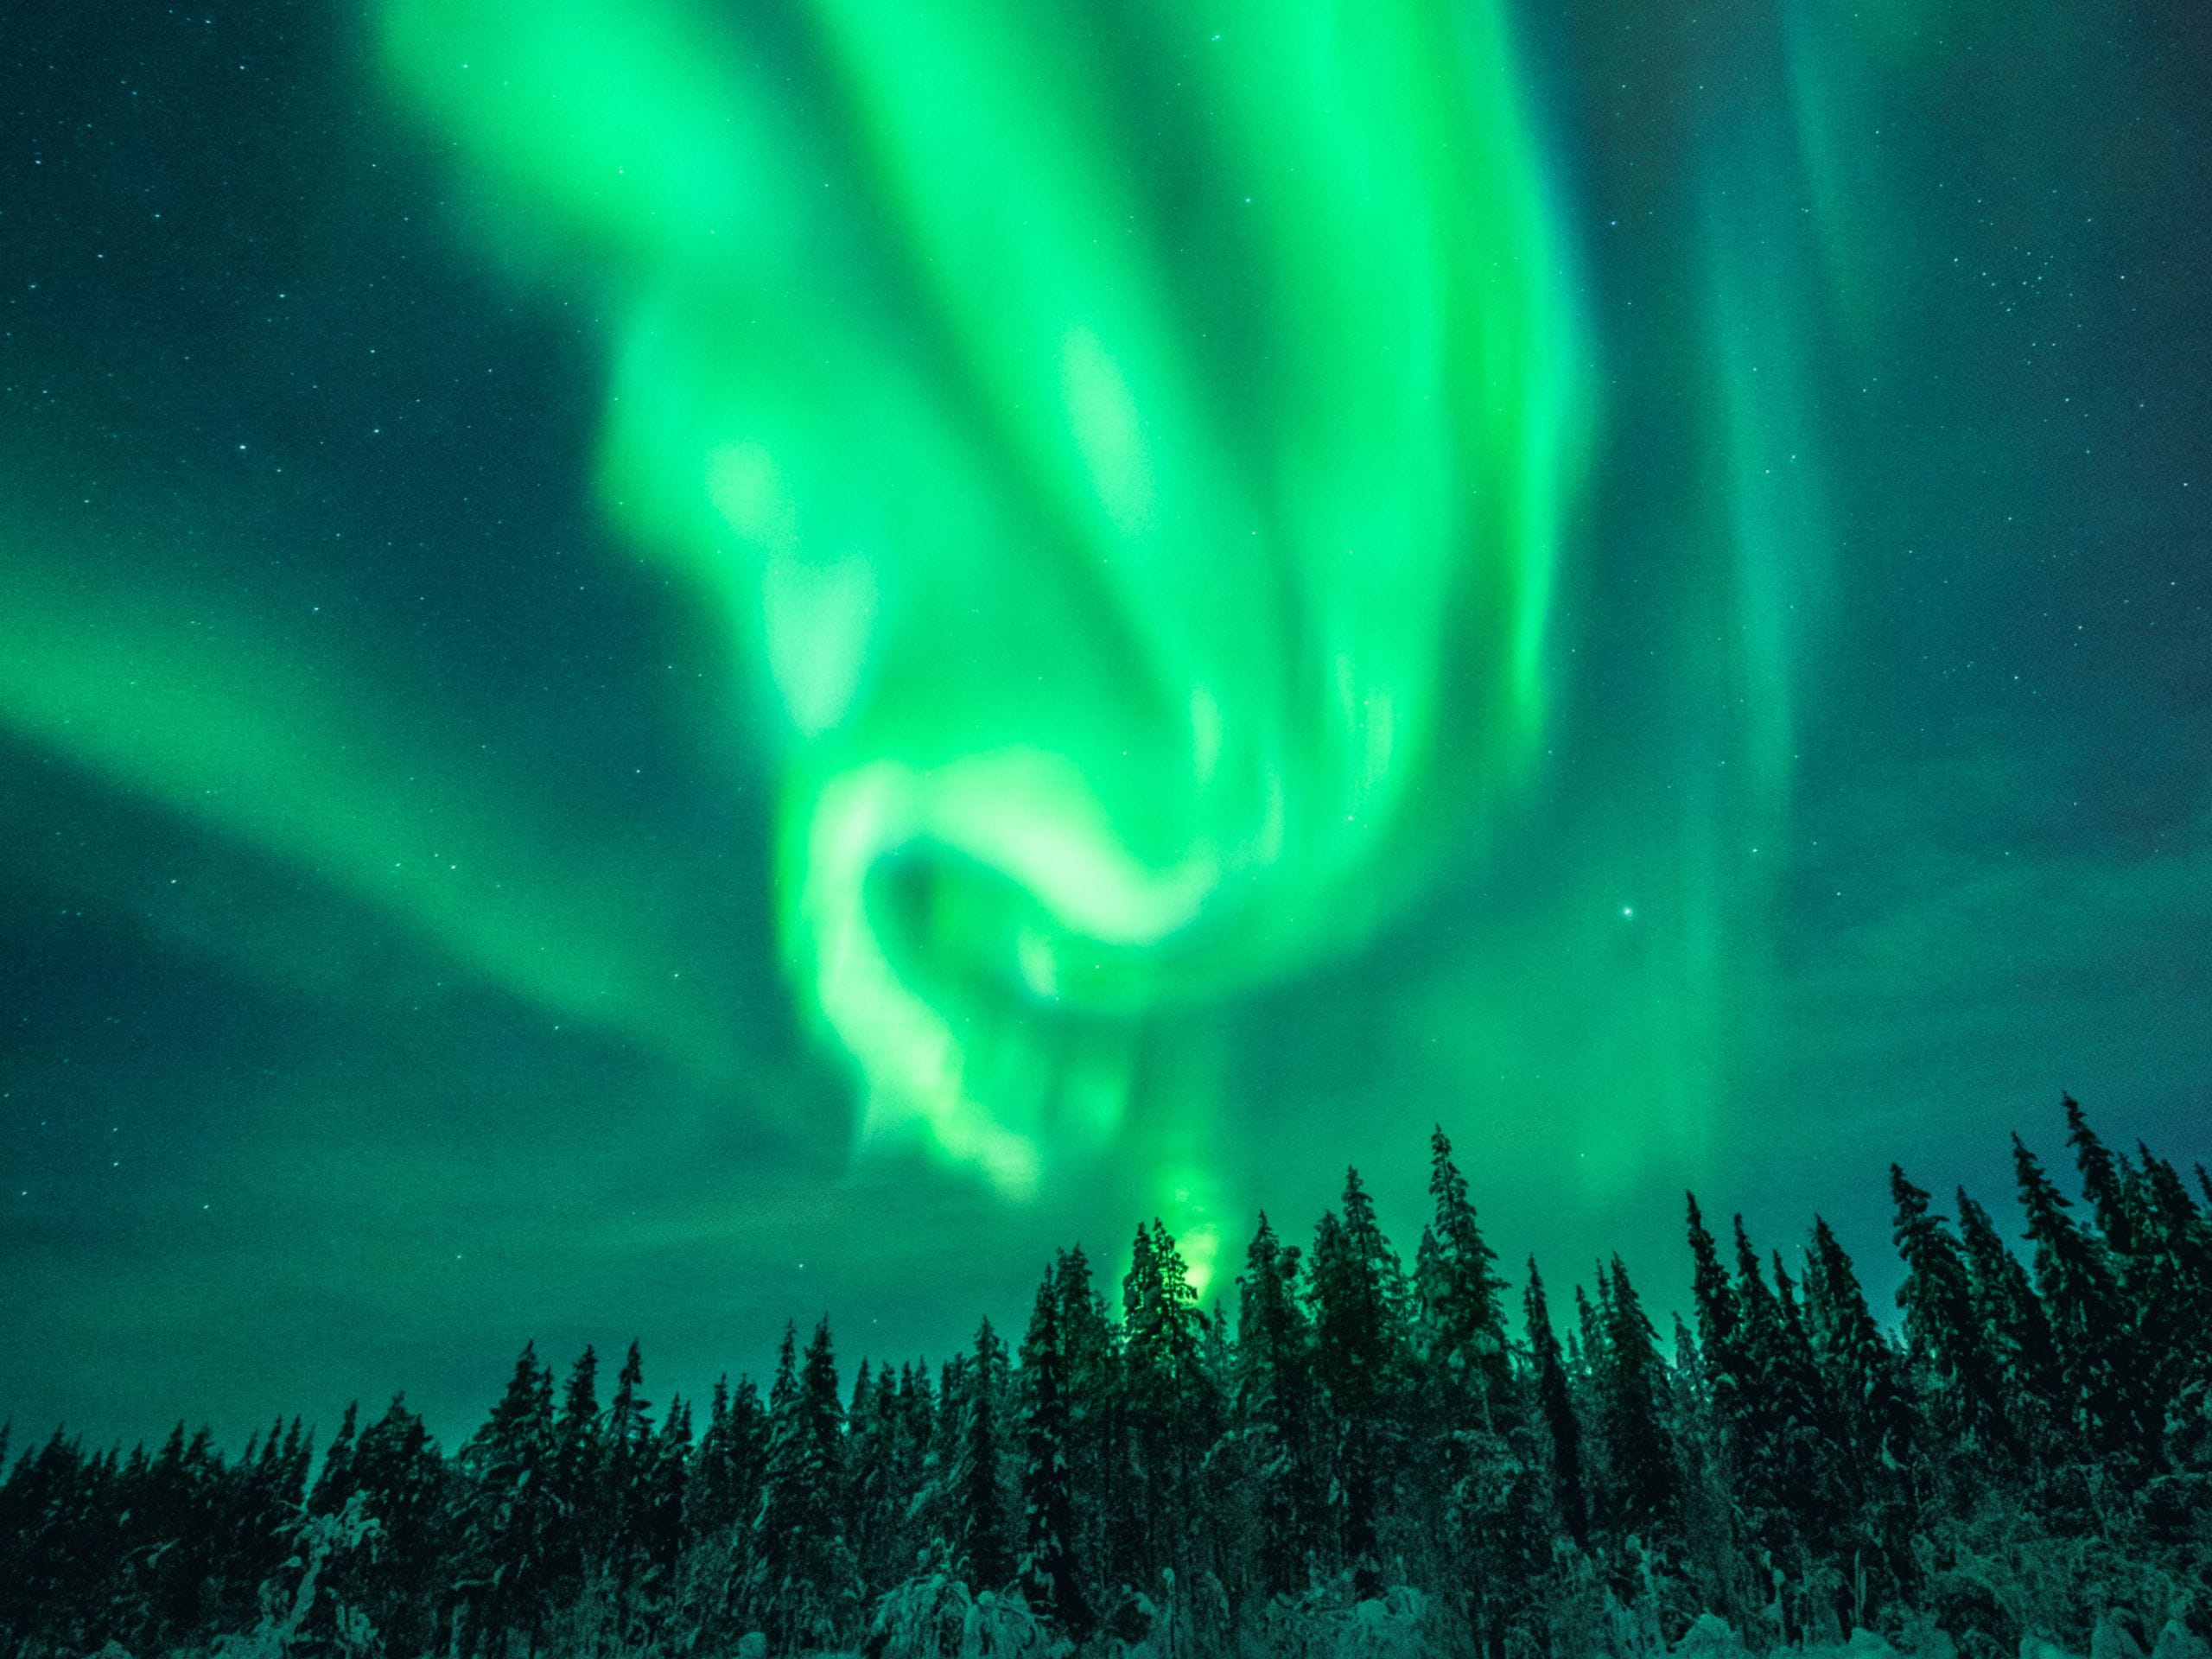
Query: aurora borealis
x=664, y=667
x=1105, y=527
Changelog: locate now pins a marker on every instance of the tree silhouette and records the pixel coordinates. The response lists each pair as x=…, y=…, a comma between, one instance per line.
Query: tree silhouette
x=1360, y=1449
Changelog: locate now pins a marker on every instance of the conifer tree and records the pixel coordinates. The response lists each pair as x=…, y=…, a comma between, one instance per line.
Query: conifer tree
x=722, y=1500
x=707, y=1498
x=1171, y=1418
x=2104, y=1178
x=876, y=1446
x=982, y=1535
x=1556, y=1408
x=333, y=1481
x=1360, y=1343
x=805, y=1580
x=1630, y=1389
x=1275, y=1401
x=1786, y=1481
x=2013, y=1328
x=1945, y=1334
x=942, y=1494
x=1707, y=1518
x=506, y=1511
x=1049, y=1578
x=1719, y=1418
x=665, y=1482
x=1719, y=1352
x=2081, y=1297
x=398, y=1470
x=259, y=1498
x=724, y=1486
x=1585, y=1355
x=189, y=1565
x=922, y=1415
x=1463, y=1484
x=578, y=1459
x=2170, y=1289
x=57, y=1507
x=625, y=1474
x=1881, y=1423
x=1105, y=1546
x=1461, y=1326
x=1793, y=1418
x=1796, y=1344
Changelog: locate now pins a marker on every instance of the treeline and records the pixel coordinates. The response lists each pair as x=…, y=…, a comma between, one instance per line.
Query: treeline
x=2028, y=1452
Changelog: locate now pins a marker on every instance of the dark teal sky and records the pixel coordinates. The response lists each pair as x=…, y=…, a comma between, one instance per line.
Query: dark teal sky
x=407, y=948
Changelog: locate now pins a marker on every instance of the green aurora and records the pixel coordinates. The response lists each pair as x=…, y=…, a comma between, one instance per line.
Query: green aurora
x=1150, y=553
x=813, y=646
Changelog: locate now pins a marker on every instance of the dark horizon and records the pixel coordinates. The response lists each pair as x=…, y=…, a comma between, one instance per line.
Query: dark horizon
x=1368, y=1456
x=1881, y=1271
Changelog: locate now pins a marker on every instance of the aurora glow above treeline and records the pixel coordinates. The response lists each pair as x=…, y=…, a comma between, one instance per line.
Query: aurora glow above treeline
x=815, y=645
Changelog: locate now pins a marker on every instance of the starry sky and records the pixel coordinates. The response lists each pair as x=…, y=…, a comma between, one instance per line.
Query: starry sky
x=668, y=667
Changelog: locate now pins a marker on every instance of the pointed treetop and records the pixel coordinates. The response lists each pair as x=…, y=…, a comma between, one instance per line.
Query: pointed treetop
x=2105, y=1179
x=2037, y=1190
x=1747, y=1261
x=580, y=1401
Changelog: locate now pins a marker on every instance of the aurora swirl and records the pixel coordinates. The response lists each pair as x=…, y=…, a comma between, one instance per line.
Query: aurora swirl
x=1140, y=495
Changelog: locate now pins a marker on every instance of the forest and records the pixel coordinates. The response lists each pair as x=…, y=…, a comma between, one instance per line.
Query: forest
x=1367, y=1459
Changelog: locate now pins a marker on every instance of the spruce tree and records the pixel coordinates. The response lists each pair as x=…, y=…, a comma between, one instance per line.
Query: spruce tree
x=2080, y=1297
x=503, y=1528
x=724, y=1486
x=982, y=1539
x=878, y=1485
x=1274, y=1397
x=402, y=1478
x=1049, y=1580
x=2170, y=1290
x=1585, y=1355
x=578, y=1459
x=1881, y=1421
x=720, y=1494
x=1554, y=1405
x=916, y=1455
x=1461, y=1323
x=1098, y=1458
x=1172, y=1419
x=1946, y=1335
x=940, y=1503
x=1630, y=1386
x=258, y=1501
x=707, y=1497
x=2014, y=1330
x=1360, y=1346
x=1721, y=1402
x=662, y=1489
x=64, y=1515
x=1720, y=1350
x=805, y=1580
x=189, y=1565
x=1786, y=1481
x=625, y=1472
x=333, y=1481
x=2104, y=1178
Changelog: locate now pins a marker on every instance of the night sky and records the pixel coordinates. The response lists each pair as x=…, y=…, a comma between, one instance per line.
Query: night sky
x=665, y=667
